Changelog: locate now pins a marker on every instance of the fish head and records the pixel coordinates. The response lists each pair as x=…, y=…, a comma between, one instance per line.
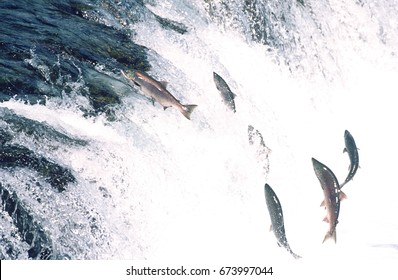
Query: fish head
x=318, y=167
x=134, y=75
x=325, y=176
x=349, y=140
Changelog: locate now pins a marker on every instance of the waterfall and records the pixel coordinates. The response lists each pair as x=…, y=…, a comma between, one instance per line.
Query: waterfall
x=91, y=168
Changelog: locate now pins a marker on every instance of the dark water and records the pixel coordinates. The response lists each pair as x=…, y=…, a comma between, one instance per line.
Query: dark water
x=64, y=38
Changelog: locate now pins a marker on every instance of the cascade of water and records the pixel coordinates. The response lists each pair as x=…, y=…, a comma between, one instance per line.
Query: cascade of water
x=136, y=181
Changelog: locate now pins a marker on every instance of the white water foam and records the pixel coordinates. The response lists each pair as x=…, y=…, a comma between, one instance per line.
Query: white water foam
x=177, y=188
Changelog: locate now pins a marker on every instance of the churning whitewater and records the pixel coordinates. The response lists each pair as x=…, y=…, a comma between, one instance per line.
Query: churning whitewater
x=93, y=168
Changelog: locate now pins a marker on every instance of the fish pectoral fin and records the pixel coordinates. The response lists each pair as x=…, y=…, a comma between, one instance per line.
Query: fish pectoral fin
x=344, y=150
x=323, y=203
x=342, y=196
x=165, y=107
x=326, y=219
x=270, y=228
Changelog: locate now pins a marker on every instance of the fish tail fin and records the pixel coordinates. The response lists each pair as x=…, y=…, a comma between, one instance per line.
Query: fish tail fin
x=125, y=75
x=187, y=110
x=295, y=255
x=292, y=253
x=329, y=235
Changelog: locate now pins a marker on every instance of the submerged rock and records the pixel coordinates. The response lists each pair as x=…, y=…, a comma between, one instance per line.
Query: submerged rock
x=15, y=124
x=29, y=230
x=12, y=156
x=55, y=47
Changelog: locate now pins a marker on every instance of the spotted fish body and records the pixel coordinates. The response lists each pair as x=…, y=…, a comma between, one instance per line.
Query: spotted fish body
x=276, y=214
x=332, y=196
x=351, y=149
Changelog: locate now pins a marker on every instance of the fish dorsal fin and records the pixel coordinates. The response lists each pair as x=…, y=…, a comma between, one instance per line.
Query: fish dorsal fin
x=164, y=83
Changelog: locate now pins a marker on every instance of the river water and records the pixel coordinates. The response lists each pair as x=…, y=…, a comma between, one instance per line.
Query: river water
x=92, y=169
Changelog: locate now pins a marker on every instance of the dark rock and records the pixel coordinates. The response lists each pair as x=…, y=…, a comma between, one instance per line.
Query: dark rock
x=51, y=31
x=31, y=232
x=12, y=156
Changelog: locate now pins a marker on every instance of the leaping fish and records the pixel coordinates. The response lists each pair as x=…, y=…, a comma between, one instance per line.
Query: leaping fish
x=333, y=195
x=158, y=92
x=351, y=149
x=226, y=93
x=276, y=214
